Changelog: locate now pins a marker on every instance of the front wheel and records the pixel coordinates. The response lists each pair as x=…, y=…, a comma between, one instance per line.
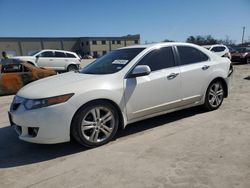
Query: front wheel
x=72, y=68
x=95, y=124
x=214, y=95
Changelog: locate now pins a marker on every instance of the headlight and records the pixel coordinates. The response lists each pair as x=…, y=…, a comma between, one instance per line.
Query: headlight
x=31, y=104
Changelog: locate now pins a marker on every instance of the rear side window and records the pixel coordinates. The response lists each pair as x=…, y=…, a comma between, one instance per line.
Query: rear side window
x=60, y=54
x=70, y=55
x=218, y=49
x=189, y=55
x=159, y=59
x=47, y=54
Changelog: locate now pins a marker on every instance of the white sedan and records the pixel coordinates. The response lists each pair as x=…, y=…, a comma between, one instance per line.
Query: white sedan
x=124, y=86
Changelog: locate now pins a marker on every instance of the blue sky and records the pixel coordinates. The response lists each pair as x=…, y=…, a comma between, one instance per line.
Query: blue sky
x=155, y=20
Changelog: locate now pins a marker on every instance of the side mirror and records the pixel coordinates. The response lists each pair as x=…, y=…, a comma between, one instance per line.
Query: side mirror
x=37, y=56
x=140, y=70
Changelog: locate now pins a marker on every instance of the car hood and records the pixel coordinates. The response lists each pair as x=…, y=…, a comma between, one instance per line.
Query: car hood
x=60, y=84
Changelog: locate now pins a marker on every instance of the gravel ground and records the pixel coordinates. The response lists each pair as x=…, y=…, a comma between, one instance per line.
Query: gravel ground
x=186, y=149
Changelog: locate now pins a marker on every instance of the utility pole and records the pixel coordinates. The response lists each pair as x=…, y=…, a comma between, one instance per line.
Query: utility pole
x=243, y=34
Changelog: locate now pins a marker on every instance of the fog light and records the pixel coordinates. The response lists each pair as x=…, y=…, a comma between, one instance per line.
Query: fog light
x=33, y=131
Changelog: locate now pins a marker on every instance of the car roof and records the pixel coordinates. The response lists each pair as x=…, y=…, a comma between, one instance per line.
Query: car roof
x=213, y=45
x=64, y=51
x=160, y=44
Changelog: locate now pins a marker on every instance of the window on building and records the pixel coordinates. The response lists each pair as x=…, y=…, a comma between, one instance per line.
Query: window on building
x=113, y=41
x=95, y=54
x=136, y=41
x=60, y=54
x=94, y=42
x=159, y=59
x=47, y=54
x=189, y=55
x=118, y=42
x=103, y=42
x=82, y=44
x=87, y=43
x=104, y=52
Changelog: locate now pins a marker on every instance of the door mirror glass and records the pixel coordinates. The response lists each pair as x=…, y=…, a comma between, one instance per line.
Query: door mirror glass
x=140, y=70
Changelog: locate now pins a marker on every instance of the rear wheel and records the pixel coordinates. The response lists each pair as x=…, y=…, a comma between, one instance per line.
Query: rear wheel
x=72, y=68
x=95, y=124
x=214, y=95
x=248, y=60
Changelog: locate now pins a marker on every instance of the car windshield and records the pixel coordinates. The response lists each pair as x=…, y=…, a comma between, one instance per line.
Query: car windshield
x=112, y=62
x=33, y=53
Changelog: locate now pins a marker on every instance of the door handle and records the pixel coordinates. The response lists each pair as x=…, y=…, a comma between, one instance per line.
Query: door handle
x=172, y=76
x=51, y=59
x=205, y=67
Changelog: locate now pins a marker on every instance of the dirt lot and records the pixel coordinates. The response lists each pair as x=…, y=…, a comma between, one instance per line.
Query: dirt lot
x=189, y=148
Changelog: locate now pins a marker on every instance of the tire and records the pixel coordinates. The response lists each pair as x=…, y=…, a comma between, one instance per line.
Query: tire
x=95, y=124
x=72, y=68
x=214, y=95
x=248, y=60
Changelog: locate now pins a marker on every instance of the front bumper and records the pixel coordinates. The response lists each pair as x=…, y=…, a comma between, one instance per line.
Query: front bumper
x=51, y=123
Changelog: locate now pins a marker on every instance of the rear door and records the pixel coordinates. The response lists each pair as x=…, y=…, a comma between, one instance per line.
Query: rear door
x=195, y=71
x=156, y=92
x=60, y=60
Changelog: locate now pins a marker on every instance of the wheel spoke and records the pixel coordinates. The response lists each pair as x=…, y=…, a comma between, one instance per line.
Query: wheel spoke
x=220, y=92
x=94, y=136
x=95, y=113
x=212, y=100
x=106, y=130
x=87, y=127
x=84, y=122
x=107, y=117
x=217, y=101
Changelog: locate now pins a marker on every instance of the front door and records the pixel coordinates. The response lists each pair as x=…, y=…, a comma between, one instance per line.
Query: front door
x=45, y=59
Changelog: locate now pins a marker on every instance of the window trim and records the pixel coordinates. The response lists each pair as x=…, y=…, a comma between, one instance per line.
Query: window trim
x=179, y=58
x=132, y=68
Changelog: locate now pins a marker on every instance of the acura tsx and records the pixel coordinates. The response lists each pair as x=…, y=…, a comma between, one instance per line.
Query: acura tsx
x=122, y=87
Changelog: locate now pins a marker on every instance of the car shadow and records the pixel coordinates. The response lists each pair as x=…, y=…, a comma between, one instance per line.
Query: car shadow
x=247, y=78
x=14, y=152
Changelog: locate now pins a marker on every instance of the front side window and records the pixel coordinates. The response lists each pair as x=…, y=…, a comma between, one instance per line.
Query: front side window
x=112, y=62
x=47, y=54
x=159, y=59
x=189, y=55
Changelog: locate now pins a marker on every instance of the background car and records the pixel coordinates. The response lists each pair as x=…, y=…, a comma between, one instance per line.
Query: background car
x=242, y=55
x=121, y=87
x=15, y=74
x=219, y=49
x=58, y=60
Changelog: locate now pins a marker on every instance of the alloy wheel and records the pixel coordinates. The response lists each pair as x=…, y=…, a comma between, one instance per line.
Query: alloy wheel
x=98, y=124
x=216, y=94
